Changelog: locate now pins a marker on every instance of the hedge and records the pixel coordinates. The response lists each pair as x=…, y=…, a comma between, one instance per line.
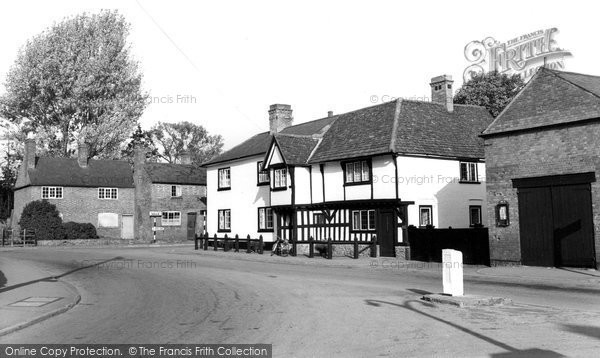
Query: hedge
x=79, y=231
x=43, y=218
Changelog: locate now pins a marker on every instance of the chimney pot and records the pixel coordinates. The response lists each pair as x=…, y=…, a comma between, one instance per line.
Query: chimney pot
x=29, y=152
x=441, y=91
x=186, y=158
x=280, y=117
x=82, y=155
x=329, y=113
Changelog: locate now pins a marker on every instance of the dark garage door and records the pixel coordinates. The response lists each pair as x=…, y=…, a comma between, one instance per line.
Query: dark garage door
x=555, y=221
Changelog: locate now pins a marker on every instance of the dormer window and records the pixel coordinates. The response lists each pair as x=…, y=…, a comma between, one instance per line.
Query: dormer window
x=280, y=178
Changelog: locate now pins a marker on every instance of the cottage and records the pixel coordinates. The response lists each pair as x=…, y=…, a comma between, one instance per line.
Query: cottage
x=372, y=171
x=542, y=158
x=177, y=191
x=115, y=197
x=84, y=190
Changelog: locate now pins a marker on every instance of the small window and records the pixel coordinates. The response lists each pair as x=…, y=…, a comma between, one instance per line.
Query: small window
x=225, y=220
x=171, y=218
x=262, y=175
x=224, y=178
x=175, y=191
x=108, y=193
x=280, y=178
x=502, y=216
x=52, y=192
x=449, y=86
x=265, y=219
x=363, y=220
x=425, y=215
x=468, y=172
x=357, y=172
x=475, y=215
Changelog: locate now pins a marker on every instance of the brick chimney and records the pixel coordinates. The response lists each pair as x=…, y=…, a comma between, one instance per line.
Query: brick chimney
x=280, y=117
x=441, y=91
x=329, y=113
x=186, y=158
x=82, y=155
x=29, y=158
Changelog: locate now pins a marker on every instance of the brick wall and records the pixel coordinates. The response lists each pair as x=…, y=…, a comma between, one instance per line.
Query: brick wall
x=80, y=205
x=567, y=150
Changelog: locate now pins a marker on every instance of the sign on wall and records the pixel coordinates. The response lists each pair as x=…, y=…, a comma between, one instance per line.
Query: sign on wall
x=522, y=55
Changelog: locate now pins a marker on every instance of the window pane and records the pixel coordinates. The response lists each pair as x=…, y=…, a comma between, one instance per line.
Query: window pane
x=473, y=172
x=463, y=171
x=269, y=218
x=364, y=220
x=349, y=172
x=425, y=217
x=365, y=171
x=261, y=218
x=221, y=220
x=357, y=172
x=227, y=219
x=356, y=220
x=371, y=219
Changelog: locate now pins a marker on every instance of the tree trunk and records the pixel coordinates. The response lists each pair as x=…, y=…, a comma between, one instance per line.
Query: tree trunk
x=65, y=140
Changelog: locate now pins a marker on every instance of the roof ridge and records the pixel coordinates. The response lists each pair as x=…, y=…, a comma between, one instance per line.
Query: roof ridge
x=569, y=72
x=395, y=124
x=557, y=74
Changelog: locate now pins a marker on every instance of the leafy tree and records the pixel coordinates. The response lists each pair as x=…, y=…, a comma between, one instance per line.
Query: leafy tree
x=172, y=139
x=76, y=82
x=491, y=90
x=42, y=217
x=142, y=138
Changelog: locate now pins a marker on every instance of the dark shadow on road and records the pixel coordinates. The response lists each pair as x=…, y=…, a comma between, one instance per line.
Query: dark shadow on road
x=578, y=271
x=590, y=331
x=512, y=351
x=55, y=278
x=419, y=292
x=2, y=279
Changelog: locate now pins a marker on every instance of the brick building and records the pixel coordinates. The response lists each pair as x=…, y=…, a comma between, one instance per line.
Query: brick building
x=542, y=157
x=100, y=192
x=113, y=196
x=178, y=191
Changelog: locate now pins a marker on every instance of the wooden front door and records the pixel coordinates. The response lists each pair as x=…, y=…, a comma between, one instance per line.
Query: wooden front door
x=127, y=227
x=387, y=232
x=191, y=226
x=556, y=226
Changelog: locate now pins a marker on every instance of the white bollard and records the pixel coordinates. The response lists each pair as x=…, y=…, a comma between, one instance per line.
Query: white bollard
x=452, y=275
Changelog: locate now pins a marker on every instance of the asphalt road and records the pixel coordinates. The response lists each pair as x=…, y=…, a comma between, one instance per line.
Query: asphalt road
x=163, y=295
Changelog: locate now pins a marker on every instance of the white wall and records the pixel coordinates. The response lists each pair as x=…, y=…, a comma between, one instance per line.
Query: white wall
x=435, y=182
x=334, y=182
x=302, y=185
x=244, y=198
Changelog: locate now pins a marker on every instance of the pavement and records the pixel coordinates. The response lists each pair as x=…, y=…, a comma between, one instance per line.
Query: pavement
x=29, y=295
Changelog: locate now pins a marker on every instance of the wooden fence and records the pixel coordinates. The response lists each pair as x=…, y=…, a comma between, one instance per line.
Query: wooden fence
x=257, y=245
x=23, y=237
x=427, y=244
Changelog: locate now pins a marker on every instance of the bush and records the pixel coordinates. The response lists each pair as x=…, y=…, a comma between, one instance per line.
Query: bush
x=43, y=218
x=79, y=231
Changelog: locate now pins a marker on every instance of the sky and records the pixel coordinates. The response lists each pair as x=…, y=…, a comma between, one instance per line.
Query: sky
x=221, y=64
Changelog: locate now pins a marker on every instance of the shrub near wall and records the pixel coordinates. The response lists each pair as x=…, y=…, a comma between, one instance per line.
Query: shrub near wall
x=79, y=231
x=43, y=218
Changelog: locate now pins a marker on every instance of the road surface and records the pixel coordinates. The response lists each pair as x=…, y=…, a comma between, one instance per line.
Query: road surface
x=167, y=295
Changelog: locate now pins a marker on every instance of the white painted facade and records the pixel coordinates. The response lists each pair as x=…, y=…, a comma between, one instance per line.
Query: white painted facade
x=425, y=181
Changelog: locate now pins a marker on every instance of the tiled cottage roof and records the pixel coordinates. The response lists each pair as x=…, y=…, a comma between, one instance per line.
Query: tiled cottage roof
x=358, y=133
x=296, y=149
x=404, y=127
x=167, y=173
x=67, y=172
x=549, y=98
x=427, y=128
x=259, y=144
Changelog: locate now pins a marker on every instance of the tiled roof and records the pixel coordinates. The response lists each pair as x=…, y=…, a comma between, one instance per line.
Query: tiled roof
x=426, y=128
x=549, y=98
x=358, y=133
x=168, y=173
x=296, y=149
x=405, y=127
x=259, y=144
x=67, y=172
